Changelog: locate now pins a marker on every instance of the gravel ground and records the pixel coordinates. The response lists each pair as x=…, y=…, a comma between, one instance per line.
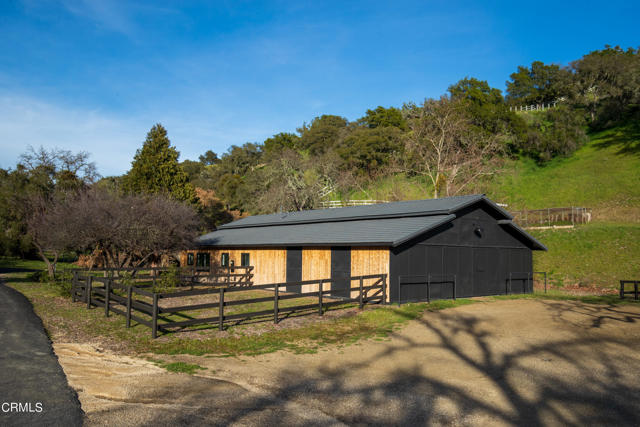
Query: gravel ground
x=518, y=362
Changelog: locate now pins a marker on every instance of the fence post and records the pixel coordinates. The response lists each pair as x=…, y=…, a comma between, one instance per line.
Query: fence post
x=154, y=317
x=275, y=304
x=107, y=291
x=508, y=285
x=428, y=288
x=74, y=282
x=221, y=311
x=360, y=295
x=384, y=289
x=621, y=289
x=88, y=284
x=128, y=306
x=320, y=290
x=635, y=290
x=545, y=282
x=454, y=287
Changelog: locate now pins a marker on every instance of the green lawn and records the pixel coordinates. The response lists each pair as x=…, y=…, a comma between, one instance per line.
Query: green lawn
x=602, y=174
x=596, y=253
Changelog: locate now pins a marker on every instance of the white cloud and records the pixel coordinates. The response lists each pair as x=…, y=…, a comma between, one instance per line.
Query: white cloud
x=112, y=140
x=26, y=121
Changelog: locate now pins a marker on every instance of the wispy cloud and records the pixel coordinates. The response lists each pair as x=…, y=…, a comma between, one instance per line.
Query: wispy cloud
x=108, y=14
x=112, y=140
x=27, y=121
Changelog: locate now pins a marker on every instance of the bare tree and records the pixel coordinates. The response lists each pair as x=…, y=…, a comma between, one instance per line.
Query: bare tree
x=442, y=145
x=126, y=230
x=60, y=164
x=295, y=183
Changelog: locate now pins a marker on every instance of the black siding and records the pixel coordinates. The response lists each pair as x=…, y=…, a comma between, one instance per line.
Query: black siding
x=481, y=260
x=294, y=267
x=340, y=270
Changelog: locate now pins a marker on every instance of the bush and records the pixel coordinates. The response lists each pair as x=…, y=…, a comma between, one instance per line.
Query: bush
x=556, y=132
x=169, y=280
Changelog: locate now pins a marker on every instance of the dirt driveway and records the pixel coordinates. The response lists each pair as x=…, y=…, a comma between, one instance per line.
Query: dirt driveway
x=520, y=362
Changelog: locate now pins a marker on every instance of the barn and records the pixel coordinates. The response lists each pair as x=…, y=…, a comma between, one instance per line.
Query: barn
x=464, y=246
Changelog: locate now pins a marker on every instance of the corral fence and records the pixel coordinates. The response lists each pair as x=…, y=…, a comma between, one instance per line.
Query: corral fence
x=552, y=216
x=624, y=291
x=526, y=279
x=429, y=280
x=141, y=303
x=534, y=107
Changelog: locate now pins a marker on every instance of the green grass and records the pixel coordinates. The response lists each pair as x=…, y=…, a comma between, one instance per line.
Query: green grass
x=62, y=318
x=593, y=254
x=601, y=174
x=181, y=367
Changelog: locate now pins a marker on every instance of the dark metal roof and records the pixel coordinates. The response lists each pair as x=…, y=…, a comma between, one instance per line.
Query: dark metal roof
x=385, y=232
x=443, y=206
x=388, y=224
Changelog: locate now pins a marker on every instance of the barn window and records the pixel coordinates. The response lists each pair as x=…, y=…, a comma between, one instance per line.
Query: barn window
x=245, y=260
x=224, y=259
x=190, y=258
x=203, y=260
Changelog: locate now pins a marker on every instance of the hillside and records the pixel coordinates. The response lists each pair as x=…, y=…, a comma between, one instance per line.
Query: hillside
x=604, y=175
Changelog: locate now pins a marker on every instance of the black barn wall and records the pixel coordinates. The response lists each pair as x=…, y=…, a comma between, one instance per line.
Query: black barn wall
x=481, y=260
x=294, y=267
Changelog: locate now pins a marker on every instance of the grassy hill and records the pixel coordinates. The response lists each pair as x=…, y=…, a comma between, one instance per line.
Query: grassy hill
x=604, y=175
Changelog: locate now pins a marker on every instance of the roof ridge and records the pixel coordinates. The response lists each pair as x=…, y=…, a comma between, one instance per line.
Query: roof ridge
x=349, y=213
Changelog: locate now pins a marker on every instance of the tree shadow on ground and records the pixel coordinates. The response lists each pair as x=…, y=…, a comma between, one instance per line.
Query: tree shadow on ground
x=626, y=139
x=457, y=368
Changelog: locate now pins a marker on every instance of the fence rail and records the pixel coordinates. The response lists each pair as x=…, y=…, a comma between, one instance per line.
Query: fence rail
x=634, y=292
x=101, y=292
x=428, y=280
x=552, y=216
x=534, y=107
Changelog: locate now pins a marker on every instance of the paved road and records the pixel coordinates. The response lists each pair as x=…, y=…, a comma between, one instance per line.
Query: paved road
x=29, y=370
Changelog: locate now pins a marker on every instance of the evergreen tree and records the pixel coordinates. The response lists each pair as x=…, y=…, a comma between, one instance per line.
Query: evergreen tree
x=155, y=169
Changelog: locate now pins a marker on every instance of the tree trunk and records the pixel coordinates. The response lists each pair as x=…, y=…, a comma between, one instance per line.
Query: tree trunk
x=50, y=267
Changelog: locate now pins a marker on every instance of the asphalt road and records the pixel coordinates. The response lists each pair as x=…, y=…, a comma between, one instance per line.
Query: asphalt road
x=30, y=376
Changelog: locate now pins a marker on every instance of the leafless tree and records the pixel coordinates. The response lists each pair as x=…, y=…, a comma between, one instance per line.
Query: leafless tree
x=60, y=164
x=128, y=230
x=442, y=145
x=295, y=183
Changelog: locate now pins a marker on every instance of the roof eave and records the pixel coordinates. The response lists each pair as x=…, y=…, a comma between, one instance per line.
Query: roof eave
x=537, y=245
x=408, y=237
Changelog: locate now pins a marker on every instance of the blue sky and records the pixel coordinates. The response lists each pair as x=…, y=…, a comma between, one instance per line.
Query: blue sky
x=96, y=75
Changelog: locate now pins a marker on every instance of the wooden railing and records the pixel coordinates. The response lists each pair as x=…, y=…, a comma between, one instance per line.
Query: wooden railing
x=101, y=291
x=634, y=292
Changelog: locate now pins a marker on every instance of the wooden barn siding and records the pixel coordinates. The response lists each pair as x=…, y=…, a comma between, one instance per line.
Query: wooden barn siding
x=316, y=264
x=369, y=260
x=270, y=264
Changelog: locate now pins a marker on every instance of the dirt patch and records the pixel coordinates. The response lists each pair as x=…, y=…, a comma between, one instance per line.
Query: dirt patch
x=508, y=362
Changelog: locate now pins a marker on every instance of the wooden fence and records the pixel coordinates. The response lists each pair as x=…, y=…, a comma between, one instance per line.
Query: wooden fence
x=634, y=292
x=552, y=216
x=141, y=300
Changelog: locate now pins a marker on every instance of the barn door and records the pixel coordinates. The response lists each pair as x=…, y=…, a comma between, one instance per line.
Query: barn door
x=294, y=268
x=340, y=271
